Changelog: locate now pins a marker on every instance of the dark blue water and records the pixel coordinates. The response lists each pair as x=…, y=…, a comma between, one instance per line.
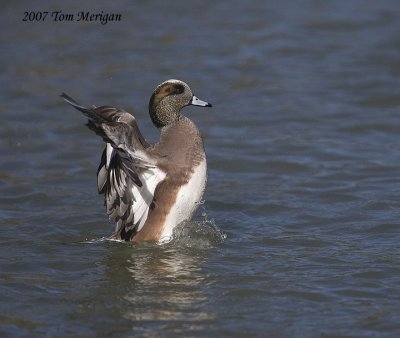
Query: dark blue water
x=299, y=233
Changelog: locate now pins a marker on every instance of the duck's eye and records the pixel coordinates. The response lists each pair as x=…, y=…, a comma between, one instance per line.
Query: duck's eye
x=179, y=89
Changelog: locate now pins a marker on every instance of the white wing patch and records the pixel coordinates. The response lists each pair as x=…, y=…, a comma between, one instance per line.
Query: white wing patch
x=144, y=195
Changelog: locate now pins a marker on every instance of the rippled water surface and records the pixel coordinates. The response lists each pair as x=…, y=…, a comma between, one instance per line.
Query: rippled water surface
x=299, y=233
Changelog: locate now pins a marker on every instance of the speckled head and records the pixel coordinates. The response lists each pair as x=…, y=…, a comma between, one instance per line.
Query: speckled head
x=168, y=99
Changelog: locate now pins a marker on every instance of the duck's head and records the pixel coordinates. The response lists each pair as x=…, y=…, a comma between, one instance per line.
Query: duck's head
x=168, y=99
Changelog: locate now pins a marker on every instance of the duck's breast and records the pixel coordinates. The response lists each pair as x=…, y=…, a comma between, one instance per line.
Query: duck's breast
x=187, y=200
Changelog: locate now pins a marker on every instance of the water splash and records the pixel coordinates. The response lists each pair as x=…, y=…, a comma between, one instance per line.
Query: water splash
x=197, y=233
x=101, y=240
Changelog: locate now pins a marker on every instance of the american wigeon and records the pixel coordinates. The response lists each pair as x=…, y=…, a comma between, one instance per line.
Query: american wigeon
x=150, y=188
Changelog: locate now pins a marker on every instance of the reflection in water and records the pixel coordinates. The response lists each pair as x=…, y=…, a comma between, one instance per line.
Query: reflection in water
x=177, y=274
x=163, y=284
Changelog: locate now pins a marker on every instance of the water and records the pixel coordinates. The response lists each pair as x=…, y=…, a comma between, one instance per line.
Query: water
x=299, y=233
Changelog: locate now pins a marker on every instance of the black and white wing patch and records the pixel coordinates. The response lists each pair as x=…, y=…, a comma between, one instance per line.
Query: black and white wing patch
x=128, y=191
x=127, y=175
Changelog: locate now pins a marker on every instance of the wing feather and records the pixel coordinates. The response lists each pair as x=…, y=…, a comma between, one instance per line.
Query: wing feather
x=127, y=175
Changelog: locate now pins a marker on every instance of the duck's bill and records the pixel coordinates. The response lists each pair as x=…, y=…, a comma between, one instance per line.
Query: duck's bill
x=197, y=102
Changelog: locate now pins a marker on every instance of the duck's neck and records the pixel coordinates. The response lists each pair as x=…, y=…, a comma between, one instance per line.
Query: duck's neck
x=163, y=114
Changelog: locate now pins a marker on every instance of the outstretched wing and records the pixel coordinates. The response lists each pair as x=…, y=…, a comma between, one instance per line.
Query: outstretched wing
x=107, y=114
x=127, y=200
x=127, y=174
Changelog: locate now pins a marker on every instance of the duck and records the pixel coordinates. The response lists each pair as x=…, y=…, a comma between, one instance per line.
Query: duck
x=149, y=189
